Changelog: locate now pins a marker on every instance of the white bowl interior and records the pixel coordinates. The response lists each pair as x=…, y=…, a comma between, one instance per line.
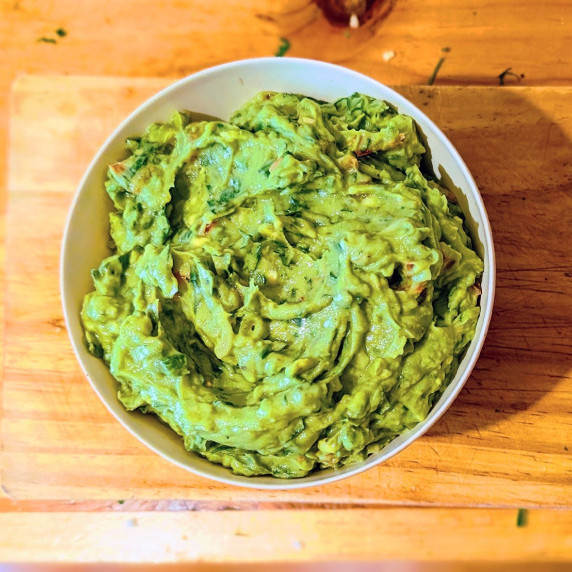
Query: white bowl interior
x=219, y=91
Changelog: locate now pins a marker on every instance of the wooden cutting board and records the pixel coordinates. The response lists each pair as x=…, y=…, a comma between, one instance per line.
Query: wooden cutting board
x=507, y=439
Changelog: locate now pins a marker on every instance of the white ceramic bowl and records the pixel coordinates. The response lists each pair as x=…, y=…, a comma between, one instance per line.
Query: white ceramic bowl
x=219, y=91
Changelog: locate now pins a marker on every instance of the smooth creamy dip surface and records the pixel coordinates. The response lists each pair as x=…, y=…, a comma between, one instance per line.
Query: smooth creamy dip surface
x=288, y=291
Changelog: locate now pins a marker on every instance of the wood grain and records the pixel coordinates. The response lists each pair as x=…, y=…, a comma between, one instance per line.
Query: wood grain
x=288, y=536
x=171, y=38
x=505, y=440
x=514, y=388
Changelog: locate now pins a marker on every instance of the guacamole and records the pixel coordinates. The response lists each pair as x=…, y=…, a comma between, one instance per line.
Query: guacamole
x=287, y=291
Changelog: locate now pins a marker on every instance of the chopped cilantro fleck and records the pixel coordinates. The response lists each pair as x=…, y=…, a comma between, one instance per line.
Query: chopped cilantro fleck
x=264, y=353
x=46, y=40
x=506, y=72
x=283, y=48
x=435, y=71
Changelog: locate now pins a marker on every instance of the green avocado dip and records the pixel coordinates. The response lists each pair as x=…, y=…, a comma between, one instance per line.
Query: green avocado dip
x=288, y=291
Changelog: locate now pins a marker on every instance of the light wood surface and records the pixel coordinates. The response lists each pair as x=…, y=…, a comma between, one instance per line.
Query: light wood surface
x=287, y=536
x=502, y=443
x=525, y=376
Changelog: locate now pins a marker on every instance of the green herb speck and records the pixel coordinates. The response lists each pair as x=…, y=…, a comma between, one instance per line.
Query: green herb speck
x=506, y=72
x=61, y=33
x=521, y=517
x=435, y=71
x=283, y=48
x=265, y=352
x=46, y=40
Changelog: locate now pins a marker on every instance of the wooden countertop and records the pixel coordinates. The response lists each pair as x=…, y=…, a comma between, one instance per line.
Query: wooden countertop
x=168, y=39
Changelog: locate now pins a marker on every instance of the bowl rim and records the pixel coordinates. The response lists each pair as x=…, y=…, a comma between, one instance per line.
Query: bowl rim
x=435, y=413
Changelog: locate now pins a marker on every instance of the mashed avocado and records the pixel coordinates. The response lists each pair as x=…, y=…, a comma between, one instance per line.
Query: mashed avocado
x=288, y=291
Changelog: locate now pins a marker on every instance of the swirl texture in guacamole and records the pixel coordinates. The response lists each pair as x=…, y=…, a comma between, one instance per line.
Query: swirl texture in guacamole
x=288, y=291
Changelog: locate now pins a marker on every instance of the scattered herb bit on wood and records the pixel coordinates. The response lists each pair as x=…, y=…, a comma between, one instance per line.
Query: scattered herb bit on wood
x=59, y=32
x=283, y=48
x=506, y=72
x=121, y=501
x=446, y=49
x=521, y=517
x=435, y=71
